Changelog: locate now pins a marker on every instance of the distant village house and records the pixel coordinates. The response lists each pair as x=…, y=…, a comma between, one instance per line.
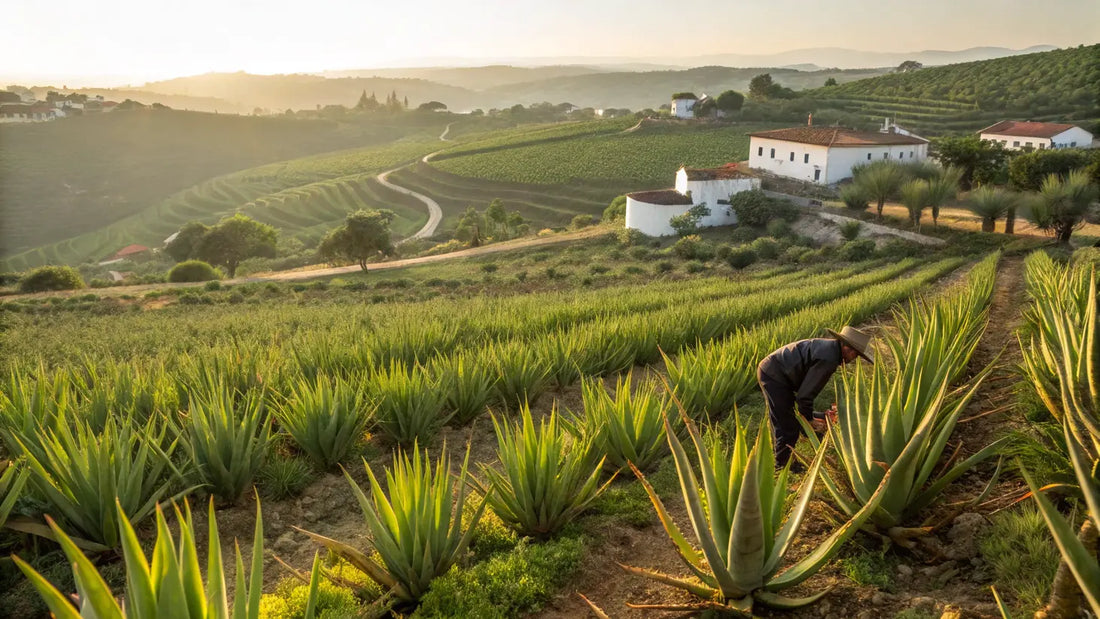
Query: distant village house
x=1020, y=135
x=650, y=211
x=683, y=104
x=826, y=155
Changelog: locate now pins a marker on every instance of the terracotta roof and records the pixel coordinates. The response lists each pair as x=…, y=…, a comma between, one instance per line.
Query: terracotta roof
x=1027, y=129
x=837, y=136
x=728, y=171
x=129, y=250
x=663, y=197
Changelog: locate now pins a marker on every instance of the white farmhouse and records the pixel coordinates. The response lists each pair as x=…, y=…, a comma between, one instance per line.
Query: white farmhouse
x=683, y=106
x=826, y=155
x=650, y=211
x=1018, y=135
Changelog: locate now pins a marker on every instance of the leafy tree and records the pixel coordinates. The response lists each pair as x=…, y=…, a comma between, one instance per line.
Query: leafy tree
x=991, y=203
x=1062, y=204
x=470, y=227
x=187, y=239
x=730, y=101
x=879, y=181
x=756, y=208
x=234, y=239
x=431, y=106
x=760, y=86
x=909, y=65
x=192, y=271
x=702, y=109
x=364, y=235
x=688, y=223
x=684, y=95
x=496, y=218
x=830, y=82
x=1028, y=172
x=981, y=161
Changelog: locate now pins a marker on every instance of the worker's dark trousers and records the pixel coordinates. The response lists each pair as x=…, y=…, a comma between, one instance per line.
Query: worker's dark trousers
x=780, y=398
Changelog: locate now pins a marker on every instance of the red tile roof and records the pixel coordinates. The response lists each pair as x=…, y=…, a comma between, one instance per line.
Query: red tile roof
x=728, y=171
x=663, y=197
x=838, y=136
x=129, y=250
x=1026, y=129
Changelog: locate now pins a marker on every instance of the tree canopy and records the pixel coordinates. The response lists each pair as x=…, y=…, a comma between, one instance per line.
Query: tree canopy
x=364, y=235
x=730, y=101
x=982, y=162
x=233, y=239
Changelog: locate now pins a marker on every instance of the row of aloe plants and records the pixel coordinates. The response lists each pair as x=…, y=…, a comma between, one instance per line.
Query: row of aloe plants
x=1062, y=363
x=226, y=426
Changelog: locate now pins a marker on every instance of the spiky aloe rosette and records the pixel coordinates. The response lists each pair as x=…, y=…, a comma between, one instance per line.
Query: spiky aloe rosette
x=739, y=527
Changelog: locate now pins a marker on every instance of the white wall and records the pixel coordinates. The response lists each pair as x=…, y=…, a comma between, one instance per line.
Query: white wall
x=681, y=108
x=652, y=219
x=835, y=163
x=1066, y=138
x=1016, y=142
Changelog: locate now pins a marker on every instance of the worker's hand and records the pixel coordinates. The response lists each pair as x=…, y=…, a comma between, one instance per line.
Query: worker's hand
x=819, y=426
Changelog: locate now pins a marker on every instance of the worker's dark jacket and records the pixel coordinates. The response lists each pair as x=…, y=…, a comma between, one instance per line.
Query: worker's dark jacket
x=805, y=367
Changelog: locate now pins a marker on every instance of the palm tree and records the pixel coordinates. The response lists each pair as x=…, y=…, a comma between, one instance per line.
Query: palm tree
x=990, y=203
x=941, y=189
x=880, y=182
x=914, y=196
x=1061, y=205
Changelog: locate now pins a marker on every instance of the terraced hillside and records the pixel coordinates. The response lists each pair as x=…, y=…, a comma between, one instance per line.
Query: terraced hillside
x=1055, y=85
x=65, y=178
x=303, y=197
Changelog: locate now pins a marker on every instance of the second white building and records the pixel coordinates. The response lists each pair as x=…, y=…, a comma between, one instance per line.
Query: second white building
x=827, y=155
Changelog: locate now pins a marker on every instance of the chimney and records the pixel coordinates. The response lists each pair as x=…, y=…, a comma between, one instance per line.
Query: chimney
x=810, y=120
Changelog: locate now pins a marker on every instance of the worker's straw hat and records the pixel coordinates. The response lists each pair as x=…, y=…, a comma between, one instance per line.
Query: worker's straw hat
x=858, y=340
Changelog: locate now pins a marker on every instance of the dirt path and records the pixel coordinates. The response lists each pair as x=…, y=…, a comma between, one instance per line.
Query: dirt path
x=307, y=273
x=435, y=214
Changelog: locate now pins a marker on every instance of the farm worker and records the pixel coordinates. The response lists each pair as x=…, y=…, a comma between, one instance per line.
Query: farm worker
x=795, y=374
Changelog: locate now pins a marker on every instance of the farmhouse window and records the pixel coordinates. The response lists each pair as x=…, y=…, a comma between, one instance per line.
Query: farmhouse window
x=760, y=151
x=1072, y=144
x=817, y=175
x=886, y=155
x=806, y=158
x=773, y=154
x=1016, y=142
x=868, y=156
x=792, y=155
x=1028, y=144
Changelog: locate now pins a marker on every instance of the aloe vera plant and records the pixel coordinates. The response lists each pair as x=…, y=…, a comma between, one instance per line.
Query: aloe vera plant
x=521, y=375
x=410, y=403
x=737, y=519
x=903, y=414
x=166, y=585
x=12, y=480
x=226, y=439
x=82, y=473
x=417, y=530
x=467, y=384
x=629, y=427
x=326, y=418
x=547, y=477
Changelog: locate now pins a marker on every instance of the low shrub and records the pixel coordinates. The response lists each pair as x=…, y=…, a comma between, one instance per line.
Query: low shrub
x=741, y=257
x=766, y=248
x=695, y=267
x=598, y=269
x=755, y=208
x=51, y=278
x=521, y=276
x=581, y=221
x=508, y=585
x=692, y=247
x=899, y=248
x=779, y=228
x=1019, y=549
x=664, y=266
x=793, y=254
x=616, y=210
x=489, y=267
x=629, y=237
x=744, y=234
x=850, y=230
x=855, y=251
x=854, y=197
x=192, y=271
x=213, y=286
x=640, y=253
x=291, y=598
x=282, y=478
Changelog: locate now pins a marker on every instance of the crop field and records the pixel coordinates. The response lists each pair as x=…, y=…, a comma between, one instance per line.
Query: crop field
x=623, y=160
x=569, y=385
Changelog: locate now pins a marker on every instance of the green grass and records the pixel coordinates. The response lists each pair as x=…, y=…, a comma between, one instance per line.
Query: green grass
x=645, y=158
x=1023, y=556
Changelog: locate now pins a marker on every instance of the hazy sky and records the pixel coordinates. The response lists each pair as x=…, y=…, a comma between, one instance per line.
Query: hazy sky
x=141, y=40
